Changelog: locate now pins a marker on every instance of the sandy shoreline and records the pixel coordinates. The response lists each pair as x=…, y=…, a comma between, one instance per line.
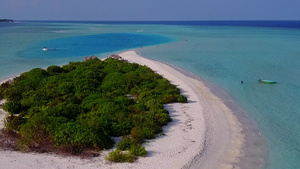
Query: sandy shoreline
x=204, y=133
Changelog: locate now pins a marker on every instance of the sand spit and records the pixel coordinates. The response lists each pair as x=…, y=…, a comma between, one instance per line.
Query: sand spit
x=204, y=133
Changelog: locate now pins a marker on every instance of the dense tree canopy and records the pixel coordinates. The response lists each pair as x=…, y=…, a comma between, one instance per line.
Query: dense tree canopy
x=82, y=105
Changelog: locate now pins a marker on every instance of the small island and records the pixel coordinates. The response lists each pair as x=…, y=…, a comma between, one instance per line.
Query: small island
x=78, y=108
x=6, y=20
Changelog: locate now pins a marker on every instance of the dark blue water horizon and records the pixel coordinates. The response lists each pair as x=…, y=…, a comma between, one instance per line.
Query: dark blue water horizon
x=247, y=23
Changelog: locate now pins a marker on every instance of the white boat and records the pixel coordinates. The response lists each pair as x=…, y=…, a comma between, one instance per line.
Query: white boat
x=44, y=49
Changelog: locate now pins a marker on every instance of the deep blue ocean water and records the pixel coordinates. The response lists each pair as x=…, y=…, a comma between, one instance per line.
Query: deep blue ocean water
x=91, y=44
x=258, y=23
x=221, y=52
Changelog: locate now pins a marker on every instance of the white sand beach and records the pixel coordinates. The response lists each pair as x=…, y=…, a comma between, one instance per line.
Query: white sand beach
x=204, y=133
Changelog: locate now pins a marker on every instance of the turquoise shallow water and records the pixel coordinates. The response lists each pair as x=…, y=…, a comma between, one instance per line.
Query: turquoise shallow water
x=225, y=56
x=222, y=55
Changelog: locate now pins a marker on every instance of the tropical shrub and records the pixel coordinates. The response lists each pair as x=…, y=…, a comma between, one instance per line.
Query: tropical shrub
x=82, y=105
x=54, y=69
x=120, y=156
x=125, y=143
x=12, y=107
x=138, y=150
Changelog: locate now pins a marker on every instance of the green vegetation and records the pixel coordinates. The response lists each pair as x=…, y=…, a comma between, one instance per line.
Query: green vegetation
x=138, y=150
x=79, y=107
x=120, y=156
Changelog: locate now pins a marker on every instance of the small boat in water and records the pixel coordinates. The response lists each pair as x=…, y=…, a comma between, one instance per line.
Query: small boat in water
x=44, y=49
x=266, y=81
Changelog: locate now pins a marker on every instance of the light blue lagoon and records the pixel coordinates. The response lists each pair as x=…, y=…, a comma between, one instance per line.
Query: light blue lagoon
x=221, y=55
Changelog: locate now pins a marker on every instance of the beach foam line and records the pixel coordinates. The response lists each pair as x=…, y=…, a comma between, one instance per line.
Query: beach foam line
x=203, y=133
